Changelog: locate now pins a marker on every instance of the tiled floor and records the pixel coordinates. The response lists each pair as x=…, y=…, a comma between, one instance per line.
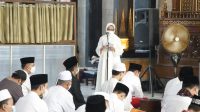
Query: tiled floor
x=88, y=90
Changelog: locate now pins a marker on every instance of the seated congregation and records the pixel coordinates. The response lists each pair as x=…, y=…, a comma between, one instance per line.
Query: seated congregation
x=123, y=92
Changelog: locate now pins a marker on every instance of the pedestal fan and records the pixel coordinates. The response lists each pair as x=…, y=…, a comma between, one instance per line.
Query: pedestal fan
x=175, y=40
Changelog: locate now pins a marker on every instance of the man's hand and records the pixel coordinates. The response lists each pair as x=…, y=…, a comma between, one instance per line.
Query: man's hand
x=106, y=47
x=102, y=48
x=112, y=49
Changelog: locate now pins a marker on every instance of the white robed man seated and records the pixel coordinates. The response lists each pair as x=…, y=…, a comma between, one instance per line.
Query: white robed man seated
x=33, y=102
x=109, y=46
x=132, y=80
x=118, y=73
x=6, y=101
x=174, y=85
x=107, y=100
x=13, y=84
x=96, y=103
x=29, y=67
x=58, y=98
x=115, y=101
x=117, y=98
x=182, y=100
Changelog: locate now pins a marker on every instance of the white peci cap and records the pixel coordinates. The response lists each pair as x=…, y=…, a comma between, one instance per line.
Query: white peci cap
x=121, y=67
x=4, y=94
x=65, y=75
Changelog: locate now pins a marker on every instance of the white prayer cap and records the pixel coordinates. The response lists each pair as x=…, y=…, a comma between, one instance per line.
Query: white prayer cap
x=65, y=75
x=110, y=24
x=4, y=94
x=106, y=95
x=121, y=67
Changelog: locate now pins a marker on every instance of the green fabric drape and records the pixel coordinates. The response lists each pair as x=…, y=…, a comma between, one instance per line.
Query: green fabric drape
x=36, y=23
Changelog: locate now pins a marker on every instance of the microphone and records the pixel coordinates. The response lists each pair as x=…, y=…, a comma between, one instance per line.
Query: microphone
x=107, y=33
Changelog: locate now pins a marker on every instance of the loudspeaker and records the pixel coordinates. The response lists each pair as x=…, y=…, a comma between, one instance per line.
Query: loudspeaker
x=146, y=28
x=145, y=4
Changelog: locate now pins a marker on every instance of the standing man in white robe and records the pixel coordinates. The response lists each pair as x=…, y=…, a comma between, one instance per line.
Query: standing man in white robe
x=132, y=80
x=59, y=99
x=28, y=66
x=33, y=102
x=118, y=73
x=110, y=44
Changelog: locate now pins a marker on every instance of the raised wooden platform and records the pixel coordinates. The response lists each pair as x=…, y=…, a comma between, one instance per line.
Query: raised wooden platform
x=162, y=70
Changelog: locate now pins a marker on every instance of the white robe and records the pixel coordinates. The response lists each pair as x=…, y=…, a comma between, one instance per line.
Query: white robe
x=59, y=99
x=26, y=86
x=135, y=89
x=176, y=103
x=114, y=57
x=31, y=103
x=116, y=105
x=134, y=83
x=172, y=87
x=109, y=85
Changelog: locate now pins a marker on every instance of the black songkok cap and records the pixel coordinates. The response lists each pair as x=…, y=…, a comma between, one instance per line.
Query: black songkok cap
x=190, y=81
x=26, y=60
x=19, y=74
x=95, y=103
x=38, y=79
x=70, y=62
x=185, y=72
x=134, y=66
x=121, y=87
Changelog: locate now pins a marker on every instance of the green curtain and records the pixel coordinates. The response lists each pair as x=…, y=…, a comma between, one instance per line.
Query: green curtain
x=36, y=23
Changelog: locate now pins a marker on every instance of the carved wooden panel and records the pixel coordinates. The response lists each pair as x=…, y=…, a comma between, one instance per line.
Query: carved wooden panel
x=188, y=5
x=193, y=50
x=198, y=5
x=185, y=5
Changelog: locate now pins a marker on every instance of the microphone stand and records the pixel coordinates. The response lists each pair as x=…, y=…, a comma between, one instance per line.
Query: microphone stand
x=107, y=52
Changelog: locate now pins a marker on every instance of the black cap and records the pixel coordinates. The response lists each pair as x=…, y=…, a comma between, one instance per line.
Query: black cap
x=38, y=79
x=95, y=103
x=190, y=81
x=134, y=66
x=26, y=60
x=70, y=62
x=19, y=74
x=121, y=87
x=185, y=72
